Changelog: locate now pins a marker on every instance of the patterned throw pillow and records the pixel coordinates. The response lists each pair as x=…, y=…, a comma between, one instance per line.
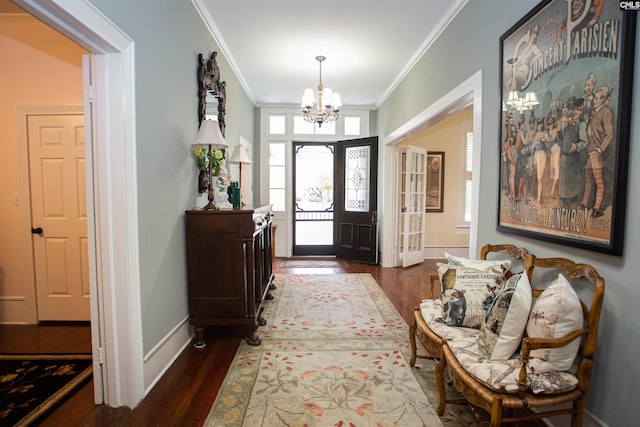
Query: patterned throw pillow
x=468, y=293
x=556, y=312
x=503, y=326
x=478, y=264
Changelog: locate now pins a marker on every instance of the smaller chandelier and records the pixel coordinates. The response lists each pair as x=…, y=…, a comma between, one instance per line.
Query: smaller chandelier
x=329, y=103
x=529, y=100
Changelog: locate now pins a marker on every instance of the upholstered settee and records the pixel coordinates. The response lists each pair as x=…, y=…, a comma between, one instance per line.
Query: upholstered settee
x=512, y=332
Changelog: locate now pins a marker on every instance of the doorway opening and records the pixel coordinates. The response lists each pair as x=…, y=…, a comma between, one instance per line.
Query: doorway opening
x=335, y=199
x=467, y=93
x=313, y=193
x=119, y=376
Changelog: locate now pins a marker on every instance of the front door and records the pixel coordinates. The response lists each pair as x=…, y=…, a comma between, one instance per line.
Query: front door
x=313, y=192
x=356, y=215
x=59, y=216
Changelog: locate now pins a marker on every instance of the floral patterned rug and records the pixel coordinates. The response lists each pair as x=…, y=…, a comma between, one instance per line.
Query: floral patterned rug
x=312, y=263
x=334, y=353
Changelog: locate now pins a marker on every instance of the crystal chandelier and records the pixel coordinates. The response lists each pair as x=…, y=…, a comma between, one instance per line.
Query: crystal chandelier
x=329, y=103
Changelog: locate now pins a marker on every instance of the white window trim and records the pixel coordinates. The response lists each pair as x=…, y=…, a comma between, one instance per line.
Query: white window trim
x=463, y=226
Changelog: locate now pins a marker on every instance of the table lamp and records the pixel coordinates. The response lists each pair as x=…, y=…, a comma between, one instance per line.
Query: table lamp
x=240, y=156
x=210, y=137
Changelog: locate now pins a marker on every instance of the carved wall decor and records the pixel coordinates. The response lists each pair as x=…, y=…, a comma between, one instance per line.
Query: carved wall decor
x=209, y=83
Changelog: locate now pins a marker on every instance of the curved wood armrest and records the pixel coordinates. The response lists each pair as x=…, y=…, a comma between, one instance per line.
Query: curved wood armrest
x=529, y=344
x=512, y=250
x=433, y=278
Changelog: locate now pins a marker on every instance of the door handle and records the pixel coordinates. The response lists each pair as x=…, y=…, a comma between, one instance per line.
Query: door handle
x=37, y=230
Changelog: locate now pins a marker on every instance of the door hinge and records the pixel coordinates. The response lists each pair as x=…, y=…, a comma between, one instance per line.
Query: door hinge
x=100, y=354
x=91, y=93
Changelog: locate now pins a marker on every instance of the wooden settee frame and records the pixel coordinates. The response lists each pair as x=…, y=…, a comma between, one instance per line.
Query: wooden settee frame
x=506, y=408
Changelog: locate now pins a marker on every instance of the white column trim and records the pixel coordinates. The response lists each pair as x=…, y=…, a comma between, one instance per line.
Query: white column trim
x=116, y=279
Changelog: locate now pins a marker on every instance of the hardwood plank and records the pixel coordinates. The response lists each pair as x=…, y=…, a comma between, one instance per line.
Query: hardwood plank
x=48, y=337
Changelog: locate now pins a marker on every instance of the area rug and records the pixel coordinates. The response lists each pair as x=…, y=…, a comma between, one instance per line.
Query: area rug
x=312, y=263
x=334, y=353
x=30, y=385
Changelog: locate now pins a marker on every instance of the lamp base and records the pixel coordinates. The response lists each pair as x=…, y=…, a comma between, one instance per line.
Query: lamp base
x=210, y=206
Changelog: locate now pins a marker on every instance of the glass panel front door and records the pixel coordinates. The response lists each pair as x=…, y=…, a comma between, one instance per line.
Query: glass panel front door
x=356, y=216
x=357, y=178
x=313, y=165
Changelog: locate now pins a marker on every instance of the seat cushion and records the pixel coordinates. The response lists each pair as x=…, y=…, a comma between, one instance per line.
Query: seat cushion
x=468, y=293
x=504, y=324
x=431, y=311
x=556, y=313
x=502, y=376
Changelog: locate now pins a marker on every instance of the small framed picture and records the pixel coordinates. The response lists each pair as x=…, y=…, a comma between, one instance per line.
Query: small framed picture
x=435, y=181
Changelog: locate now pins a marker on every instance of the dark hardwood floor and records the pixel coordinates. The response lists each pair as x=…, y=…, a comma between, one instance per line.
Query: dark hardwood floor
x=184, y=395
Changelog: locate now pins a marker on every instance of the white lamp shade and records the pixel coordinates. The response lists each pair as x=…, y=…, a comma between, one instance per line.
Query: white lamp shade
x=240, y=155
x=209, y=135
x=514, y=100
x=337, y=101
x=307, y=98
x=531, y=99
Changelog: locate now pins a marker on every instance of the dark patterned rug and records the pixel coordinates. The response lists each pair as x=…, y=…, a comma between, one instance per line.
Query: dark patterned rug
x=30, y=385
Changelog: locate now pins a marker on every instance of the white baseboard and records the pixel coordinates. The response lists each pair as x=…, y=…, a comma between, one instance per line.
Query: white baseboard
x=162, y=356
x=591, y=420
x=437, y=252
x=588, y=420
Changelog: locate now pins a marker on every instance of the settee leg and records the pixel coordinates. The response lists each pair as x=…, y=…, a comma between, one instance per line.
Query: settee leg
x=496, y=412
x=440, y=367
x=412, y=341
x=578, y=407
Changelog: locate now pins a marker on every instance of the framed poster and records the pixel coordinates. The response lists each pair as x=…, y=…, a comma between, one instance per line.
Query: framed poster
x=435, y=181
x=565, y=84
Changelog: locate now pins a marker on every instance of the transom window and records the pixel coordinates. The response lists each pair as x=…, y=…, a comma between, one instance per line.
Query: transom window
x=281, y=126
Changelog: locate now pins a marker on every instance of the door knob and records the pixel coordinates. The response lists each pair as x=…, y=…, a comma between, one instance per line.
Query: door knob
x=37, y=230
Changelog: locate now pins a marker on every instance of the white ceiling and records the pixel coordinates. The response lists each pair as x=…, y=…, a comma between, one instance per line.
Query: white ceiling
x=370, y=44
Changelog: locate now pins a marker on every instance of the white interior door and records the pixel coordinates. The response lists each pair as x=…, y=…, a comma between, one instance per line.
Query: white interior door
x=413, y=196
x=59, y=216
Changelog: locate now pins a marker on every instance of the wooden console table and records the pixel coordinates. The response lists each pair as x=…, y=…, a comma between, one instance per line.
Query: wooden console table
x=229, y=268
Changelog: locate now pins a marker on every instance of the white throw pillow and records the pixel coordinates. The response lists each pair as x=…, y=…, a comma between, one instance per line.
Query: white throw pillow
x=504, y=324
x=467, y=293
x=478, y=264
x=556, y=313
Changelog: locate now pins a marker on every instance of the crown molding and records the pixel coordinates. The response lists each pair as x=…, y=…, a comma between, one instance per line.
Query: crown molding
x=208, y=21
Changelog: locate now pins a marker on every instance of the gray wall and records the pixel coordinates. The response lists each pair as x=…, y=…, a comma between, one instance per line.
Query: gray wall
x=469, y=44
x=168, y=35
